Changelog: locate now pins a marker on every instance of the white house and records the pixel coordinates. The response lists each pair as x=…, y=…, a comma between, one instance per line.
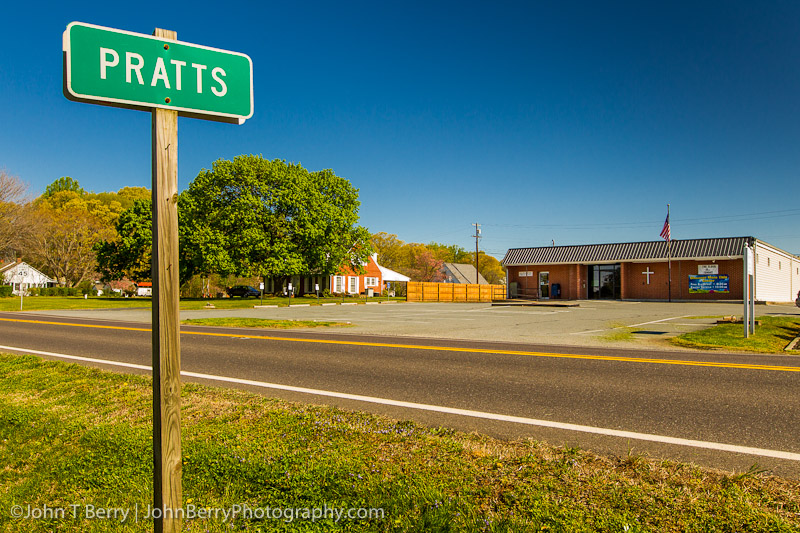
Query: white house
x=21, y=276
x=375, y=277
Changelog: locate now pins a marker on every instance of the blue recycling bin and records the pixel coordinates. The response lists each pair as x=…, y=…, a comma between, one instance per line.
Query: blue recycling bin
x=555, y=290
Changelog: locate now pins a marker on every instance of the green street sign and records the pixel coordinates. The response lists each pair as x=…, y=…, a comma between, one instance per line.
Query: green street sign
x=123, y=69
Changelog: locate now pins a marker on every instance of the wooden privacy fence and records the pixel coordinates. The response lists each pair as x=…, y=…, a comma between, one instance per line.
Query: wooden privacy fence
x=453, y=292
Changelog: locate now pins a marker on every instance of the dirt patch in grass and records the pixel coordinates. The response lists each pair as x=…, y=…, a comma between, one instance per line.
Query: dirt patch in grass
x=619, y=333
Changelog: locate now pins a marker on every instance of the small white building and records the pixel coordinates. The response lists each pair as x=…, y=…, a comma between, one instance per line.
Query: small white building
x=21, y=276
x=144, y=288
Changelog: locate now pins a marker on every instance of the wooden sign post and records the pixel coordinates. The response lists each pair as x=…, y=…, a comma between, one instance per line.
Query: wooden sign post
x=168, y=78
x=167, y=468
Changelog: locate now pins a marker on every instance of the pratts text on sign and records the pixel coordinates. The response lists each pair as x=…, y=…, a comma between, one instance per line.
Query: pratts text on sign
x=124, y=69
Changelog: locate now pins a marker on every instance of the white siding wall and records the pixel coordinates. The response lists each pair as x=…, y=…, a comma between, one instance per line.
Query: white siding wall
x=33, y=278
x=776, y=275
x=795, y=277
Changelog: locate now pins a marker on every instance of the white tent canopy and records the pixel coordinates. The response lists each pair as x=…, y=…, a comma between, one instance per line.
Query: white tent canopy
x=391, y=275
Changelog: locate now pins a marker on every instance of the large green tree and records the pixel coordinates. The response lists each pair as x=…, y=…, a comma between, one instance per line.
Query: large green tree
x=62, y=184
x=129, y=255
x=255, y=217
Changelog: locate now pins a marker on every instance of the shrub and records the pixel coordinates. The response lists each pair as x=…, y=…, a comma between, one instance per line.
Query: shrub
x=56, y=291
x=5, y=291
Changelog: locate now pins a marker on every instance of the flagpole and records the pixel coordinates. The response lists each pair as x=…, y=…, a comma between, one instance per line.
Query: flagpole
x=669, y=261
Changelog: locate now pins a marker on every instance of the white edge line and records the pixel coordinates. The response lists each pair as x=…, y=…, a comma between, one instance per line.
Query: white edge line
x=450, y=410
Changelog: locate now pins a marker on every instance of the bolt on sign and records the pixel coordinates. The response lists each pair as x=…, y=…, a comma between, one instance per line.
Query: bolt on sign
x=124, y=69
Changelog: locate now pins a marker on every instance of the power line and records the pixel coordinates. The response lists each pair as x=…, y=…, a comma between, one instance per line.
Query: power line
x=683, y=221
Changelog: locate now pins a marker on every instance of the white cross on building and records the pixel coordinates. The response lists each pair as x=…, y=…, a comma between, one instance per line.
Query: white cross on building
x=648, y=274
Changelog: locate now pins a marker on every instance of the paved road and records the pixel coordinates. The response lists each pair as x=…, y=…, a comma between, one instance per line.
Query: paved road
x=728, y=399
x=591, y=323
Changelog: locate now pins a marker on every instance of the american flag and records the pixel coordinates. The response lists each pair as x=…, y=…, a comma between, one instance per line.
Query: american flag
x=665, y=230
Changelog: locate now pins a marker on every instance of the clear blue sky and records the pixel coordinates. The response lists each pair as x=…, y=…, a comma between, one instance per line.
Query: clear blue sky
x=568, y=121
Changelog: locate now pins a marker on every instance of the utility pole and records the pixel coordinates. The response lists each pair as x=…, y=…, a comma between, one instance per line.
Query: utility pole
x=477, y=236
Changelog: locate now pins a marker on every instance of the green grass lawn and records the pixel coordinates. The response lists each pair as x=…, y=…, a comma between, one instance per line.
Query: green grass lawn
x=771, y=336
x=70, y=435
x=44, y=303
x=261, y=323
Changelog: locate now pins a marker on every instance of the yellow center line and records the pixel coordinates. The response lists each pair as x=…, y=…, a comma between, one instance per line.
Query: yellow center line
x=439, y=348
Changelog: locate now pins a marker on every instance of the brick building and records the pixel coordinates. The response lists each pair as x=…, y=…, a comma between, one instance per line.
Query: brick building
x=702, y=269
x=346, y=281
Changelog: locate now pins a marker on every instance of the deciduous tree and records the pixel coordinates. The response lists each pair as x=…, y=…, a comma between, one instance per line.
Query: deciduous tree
x=491, y=269
x=62, y=243
x=423, y=265
x=68, y=223
x=389, y=249
x=13, y=222
x=62, y=184
x=129, y=254
x=251, y=216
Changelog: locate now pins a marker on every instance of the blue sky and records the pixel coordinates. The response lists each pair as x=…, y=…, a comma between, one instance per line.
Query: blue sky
x=569, y=121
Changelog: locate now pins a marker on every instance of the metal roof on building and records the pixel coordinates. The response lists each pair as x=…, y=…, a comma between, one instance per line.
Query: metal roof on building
x=718, y=248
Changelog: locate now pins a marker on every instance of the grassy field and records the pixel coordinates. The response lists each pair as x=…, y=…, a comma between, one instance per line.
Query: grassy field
x=261, y=323
x=44, y=303
x=76, y=436
x=772, y=336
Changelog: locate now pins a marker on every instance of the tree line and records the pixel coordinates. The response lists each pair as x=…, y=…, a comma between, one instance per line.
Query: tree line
x=57, y=231
x=246, y=218
x=423, y=262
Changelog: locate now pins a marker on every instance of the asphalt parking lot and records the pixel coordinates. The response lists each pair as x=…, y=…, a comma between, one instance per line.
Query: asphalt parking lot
x=590, y=323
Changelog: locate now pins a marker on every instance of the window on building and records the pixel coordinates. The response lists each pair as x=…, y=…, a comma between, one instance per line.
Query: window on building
x=353, y=284
x=370, y=282
x=338, y=283
x=767, y=261
x=779, y=265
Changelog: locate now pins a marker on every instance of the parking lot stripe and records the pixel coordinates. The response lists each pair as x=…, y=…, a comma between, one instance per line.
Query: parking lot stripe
x=631, y=326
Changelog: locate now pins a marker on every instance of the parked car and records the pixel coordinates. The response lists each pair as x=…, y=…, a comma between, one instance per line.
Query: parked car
x=244, y=291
